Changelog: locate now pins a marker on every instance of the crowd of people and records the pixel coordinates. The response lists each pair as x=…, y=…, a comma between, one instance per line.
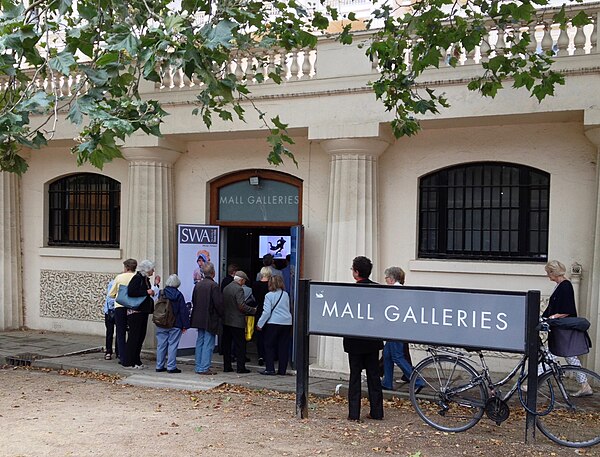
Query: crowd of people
x=217, y=312
x=221, y=312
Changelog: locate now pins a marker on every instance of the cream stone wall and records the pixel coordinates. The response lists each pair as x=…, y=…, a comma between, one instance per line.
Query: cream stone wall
x=208, y=160
x=560, y=149
x=58, y=271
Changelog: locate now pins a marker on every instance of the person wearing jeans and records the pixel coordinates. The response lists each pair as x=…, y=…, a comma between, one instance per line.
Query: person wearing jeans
x=167, y=339
x=393, y=353
x=207, y=301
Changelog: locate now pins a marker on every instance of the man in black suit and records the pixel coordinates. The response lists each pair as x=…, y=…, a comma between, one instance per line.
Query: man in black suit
x=363, y=354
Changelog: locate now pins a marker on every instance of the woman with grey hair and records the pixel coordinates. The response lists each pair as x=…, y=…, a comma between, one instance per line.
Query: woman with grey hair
x=137, y=320
x=562, y=304
x=167, y=339
x=394, y=275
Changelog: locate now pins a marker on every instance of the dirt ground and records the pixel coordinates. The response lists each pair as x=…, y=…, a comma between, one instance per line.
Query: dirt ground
x=45, y=413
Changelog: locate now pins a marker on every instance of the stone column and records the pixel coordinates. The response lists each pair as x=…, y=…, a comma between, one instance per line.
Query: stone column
x=11, y=285
x=592, y=311
x=150, y=232
x=352, y=223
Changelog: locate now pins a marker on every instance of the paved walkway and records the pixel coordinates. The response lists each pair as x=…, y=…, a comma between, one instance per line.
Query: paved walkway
x=57, y=351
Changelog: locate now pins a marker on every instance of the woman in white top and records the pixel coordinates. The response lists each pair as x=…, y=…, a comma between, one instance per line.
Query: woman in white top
x=276, y=323
x=123, y=279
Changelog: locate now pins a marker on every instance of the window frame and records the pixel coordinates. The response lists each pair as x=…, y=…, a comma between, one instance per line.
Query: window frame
x=84, y=210
x=491, y=230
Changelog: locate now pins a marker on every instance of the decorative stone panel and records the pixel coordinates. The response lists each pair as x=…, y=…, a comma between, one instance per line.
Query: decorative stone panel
x=73, y=295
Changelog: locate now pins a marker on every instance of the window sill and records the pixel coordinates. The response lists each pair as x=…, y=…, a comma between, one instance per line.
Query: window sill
x=470, y=267
x=89, y=253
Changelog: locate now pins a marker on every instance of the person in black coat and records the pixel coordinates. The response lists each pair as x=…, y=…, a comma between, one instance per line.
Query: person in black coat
x=137, y=320
x=363, y=354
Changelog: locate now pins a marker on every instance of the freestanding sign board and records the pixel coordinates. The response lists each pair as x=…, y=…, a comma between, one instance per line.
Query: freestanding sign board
x=495, y=320
x=482, y=319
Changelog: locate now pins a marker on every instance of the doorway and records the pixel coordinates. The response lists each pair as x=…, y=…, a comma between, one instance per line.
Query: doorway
x=246, y=246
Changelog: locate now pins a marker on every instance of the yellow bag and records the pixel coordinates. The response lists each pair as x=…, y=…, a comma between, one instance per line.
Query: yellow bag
x=249, y=327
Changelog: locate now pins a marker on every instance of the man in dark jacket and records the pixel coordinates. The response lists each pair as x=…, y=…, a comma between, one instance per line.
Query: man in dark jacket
x=207, y=311
x=363, y=354
x=234, y=322
x=231, y=269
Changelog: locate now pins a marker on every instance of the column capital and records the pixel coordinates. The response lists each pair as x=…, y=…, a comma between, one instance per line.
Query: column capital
x=591, y=125
x=373, y=147
x=161, y=155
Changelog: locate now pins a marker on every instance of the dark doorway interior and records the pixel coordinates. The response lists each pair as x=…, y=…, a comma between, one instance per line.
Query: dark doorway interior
x=243, y=247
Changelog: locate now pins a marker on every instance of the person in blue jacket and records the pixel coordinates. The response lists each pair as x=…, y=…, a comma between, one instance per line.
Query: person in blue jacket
x=167, y=339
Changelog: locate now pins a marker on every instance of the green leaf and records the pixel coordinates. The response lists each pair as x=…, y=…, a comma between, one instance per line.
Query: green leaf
x=39, y=102
x=62, y=62
x=220, y=35
x=126, y=42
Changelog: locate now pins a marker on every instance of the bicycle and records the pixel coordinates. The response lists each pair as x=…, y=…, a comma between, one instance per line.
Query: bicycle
x=457, y=394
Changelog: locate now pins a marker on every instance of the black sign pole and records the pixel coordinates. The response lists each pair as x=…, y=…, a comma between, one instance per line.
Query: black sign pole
x=301, y=338
x=531, y=348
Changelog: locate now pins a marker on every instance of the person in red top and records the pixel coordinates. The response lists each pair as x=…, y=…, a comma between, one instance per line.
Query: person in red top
x=363, y=354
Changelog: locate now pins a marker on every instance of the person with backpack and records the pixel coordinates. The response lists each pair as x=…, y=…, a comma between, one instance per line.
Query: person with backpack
x=172, y=320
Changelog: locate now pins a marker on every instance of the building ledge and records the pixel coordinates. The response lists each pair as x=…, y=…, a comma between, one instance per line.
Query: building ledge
x=84, y=253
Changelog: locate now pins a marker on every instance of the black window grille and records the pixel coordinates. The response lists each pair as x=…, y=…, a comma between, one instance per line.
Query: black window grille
x=484, y=211
x=84, y=210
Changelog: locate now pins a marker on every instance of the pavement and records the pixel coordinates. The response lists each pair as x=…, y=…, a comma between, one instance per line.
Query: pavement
x=67, y=351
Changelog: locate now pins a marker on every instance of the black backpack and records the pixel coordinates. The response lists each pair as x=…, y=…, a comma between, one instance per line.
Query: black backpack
x=163, y=316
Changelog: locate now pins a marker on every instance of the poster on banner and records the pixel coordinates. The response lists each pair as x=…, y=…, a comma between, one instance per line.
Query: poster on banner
x=196, y=244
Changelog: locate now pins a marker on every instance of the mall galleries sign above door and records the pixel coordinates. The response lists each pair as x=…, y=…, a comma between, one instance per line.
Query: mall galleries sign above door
x=256, y=198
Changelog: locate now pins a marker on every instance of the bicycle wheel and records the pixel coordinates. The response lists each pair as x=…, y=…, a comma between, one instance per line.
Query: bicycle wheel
x=574, y=421
x=448, y=401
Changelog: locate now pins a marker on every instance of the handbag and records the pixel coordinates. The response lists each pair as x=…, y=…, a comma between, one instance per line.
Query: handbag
x=249, y=327
x=125, y=300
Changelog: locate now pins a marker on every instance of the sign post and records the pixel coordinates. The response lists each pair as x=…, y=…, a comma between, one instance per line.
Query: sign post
x=531, y=349
x=301, y=350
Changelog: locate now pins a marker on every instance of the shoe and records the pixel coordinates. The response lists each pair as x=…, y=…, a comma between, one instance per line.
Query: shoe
x=140, y=367
x=174, y=370
x=404, y=379
x=261, y=361
x=374, y=418
x=245, y=370
x=418, y=389
x=386, y=388
x=107, y=356
x=161, y=370
x=227, y=370
x=524, y=388
x=267, y=373
x=207, y=372
x=584, y=391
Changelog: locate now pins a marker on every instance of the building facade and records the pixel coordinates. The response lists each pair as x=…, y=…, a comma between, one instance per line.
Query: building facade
x=481, y=198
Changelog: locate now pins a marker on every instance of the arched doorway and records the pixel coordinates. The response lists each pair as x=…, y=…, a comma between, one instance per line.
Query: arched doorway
x=259, y=212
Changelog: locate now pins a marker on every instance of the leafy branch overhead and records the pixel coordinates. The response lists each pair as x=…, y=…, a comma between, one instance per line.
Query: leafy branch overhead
x=111, y=48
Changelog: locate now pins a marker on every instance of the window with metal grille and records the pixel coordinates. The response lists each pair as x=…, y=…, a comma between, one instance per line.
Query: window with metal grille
x=484, y=211
x=84, y=210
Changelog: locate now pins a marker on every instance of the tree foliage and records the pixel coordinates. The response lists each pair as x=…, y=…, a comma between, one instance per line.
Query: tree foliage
x=115, y=46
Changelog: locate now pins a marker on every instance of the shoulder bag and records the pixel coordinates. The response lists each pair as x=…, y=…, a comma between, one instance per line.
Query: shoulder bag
x=125, y=300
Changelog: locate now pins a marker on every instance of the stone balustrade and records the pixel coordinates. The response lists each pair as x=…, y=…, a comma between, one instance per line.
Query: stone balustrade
x=304, y=65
